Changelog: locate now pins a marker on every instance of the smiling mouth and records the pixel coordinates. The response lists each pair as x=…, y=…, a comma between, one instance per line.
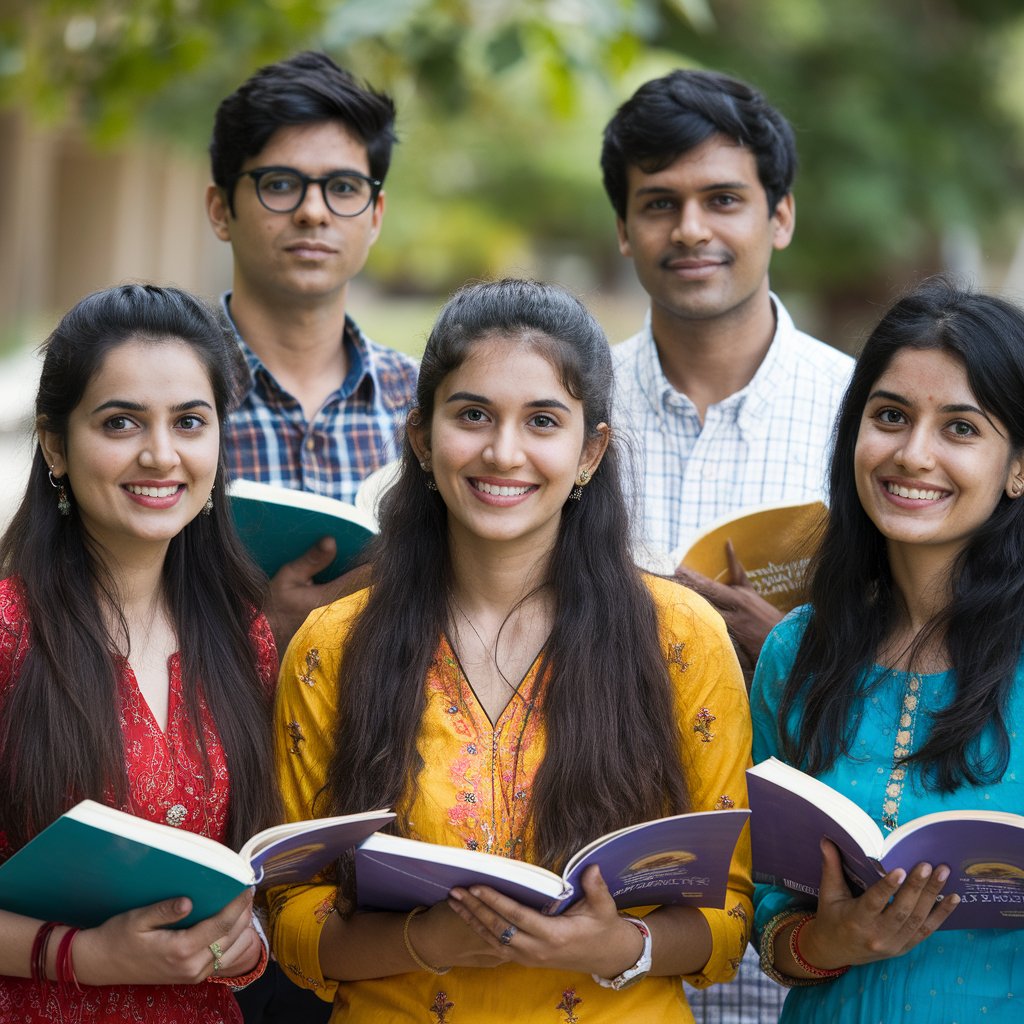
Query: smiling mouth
x=914, y=493
x=153, y=492
x=502, y=491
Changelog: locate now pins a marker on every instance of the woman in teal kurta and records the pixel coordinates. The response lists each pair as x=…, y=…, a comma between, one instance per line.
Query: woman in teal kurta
x=901, y=684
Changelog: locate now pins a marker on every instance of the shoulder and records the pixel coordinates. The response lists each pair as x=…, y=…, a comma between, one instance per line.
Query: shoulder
x=327, y=629
x=812, y=356
x=625, y=353
x=394, y=371
x=686, y=621
x=15, y=632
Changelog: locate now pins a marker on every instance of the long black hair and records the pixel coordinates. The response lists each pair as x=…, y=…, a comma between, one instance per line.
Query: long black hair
x=852, y=593
x=60, y=737
x=612, y=751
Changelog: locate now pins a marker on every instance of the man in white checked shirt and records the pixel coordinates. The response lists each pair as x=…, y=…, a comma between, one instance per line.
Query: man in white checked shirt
x=725, y=403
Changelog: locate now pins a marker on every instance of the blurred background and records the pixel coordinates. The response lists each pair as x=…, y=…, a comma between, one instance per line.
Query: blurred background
x=909, y=117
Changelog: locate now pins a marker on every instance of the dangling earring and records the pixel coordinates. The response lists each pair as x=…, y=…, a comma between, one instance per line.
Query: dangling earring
x=581, y=481
x=208, y=507
x=63, y=503
x=430, y=482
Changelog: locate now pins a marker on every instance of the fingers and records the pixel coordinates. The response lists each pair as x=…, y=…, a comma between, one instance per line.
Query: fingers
x=162, y=914
x=309, y=563
x=494, y=917
x=737, y=574
x=717, y=593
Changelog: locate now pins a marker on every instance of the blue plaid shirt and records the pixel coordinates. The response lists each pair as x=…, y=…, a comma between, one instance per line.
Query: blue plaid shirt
x=357, y=430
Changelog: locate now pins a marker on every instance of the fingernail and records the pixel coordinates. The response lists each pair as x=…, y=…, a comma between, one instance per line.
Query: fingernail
x=926, y=870
x=942, y=874
x=456, y=894
x=900, y=876
x=475, y=892
x=954, y=899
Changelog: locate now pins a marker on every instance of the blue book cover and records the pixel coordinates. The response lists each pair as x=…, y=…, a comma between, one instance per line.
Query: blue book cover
x=95, y=861
x=683, y=859
x=278, y=524
x=791, y=812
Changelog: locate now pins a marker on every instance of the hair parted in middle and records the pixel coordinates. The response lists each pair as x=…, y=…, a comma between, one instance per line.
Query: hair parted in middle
x=852, y=594
x=669, y=116
x=305, y=89
x=612, y=739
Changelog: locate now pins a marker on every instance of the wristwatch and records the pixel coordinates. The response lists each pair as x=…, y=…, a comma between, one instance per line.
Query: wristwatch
x=640, y=969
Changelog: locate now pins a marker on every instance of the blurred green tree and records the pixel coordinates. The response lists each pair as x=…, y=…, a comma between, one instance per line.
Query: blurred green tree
x=908, y=113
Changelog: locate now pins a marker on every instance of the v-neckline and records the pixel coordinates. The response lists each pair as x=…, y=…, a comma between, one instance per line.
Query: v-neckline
x=130, y=675
x=517, y=689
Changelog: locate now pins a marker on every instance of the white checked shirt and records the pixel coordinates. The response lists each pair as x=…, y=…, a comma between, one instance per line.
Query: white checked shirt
x=766, y=444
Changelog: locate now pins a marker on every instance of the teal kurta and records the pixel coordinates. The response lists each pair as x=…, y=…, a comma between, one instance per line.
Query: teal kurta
x=964, y=977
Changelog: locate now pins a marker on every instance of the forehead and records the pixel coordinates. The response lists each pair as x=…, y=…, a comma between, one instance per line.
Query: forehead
x=313, y=148
x=507, y=368
x=161, y=372
x=925, y=374
x=717, y=160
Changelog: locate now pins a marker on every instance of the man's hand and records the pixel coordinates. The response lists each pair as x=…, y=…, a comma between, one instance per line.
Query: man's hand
x=293, y=594
x=749, y=616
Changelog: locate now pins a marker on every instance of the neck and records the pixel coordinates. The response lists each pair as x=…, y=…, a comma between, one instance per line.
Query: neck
x=300, y=343
x=708, y=360
x=138, y=579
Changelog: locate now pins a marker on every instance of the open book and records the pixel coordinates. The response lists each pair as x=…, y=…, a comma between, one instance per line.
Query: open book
x=680, y=859
x=278, y=524
x=791, y=811
x=95, y=861
x=773, y=543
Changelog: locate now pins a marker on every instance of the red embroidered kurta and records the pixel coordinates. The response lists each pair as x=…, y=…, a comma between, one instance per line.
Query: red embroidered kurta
x=165, y=771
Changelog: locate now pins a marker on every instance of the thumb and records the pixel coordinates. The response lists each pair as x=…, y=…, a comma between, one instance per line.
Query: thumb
x=160, y=915
x=833, y=881
x=737, y=574
x=310, y=562
x=596, y=891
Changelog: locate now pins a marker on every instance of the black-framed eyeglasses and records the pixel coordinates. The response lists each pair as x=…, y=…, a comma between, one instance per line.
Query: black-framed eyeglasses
x=283, y=189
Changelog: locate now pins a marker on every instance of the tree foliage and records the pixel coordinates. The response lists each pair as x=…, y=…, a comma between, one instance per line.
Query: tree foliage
x=907, y=112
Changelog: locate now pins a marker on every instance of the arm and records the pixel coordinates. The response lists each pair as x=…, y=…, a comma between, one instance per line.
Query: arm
x=138, y=948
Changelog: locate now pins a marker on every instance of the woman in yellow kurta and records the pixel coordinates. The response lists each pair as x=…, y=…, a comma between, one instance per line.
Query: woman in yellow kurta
x=511, y=683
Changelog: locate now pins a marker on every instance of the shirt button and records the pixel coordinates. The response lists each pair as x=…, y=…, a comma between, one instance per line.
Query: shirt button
x=310, y=444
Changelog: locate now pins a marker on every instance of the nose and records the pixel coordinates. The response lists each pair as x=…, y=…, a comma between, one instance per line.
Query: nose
x=504, y=451
x=160, y=451
x=313, y=209
x=915, y=454
x=692, y=228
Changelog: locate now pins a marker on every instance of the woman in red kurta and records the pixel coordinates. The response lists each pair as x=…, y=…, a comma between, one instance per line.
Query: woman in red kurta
x=134, y=668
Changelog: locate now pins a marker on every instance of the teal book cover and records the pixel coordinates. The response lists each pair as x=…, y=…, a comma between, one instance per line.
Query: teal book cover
x=81, y=874
x=278, y=524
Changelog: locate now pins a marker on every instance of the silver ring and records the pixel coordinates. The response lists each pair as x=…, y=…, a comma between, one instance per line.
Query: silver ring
x=507, y=935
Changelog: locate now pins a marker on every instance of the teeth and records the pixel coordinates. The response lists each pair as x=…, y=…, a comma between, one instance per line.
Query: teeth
x=504, y=492
x=913, y=493
x=152, y=492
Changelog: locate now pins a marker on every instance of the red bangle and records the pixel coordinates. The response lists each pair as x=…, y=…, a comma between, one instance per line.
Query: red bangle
x=65, y=965
x=40, y=945
x=818, y=972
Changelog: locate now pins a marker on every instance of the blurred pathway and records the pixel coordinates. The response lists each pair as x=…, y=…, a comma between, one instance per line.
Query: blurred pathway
x=19, y=377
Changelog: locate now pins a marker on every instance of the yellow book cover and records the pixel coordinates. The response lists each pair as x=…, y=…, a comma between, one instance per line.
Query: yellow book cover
x=773, y=543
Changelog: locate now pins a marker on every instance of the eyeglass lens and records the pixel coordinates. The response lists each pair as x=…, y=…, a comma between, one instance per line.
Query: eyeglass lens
x=344, y=194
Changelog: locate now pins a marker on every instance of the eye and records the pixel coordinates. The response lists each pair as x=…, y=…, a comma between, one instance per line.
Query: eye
x=890, y=417
x=726, y=199
x=347, y=186
x=543, y=421
x=660, y=204
x=280, y=183
x=191, y=421
x=118, y=423
x=961, y=428
x=474, y=415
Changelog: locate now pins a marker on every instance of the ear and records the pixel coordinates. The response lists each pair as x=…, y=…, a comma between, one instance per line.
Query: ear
x=1015, y=478
x=594, y=449
x=419, y=435
x=784, y=222
x=52, y=445
x=624, y=247
x=218, y=213
x=377, y=219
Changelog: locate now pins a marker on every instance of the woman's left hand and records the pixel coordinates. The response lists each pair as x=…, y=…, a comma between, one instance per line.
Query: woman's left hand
x=590, y=937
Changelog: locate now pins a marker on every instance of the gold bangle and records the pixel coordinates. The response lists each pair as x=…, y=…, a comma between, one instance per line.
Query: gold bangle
x=416, y=958
x=771, y=929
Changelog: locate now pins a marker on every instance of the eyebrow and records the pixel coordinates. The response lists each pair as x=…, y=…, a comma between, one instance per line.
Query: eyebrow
x=891, y=396
x=718, y=186
x=119, y=403
x=538, y=403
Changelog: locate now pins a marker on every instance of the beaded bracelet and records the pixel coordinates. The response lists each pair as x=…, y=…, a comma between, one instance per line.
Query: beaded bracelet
x=818, y=972
x=416, y=958
x=40, y=945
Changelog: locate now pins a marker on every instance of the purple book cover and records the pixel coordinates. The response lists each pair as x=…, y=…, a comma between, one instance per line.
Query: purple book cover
x=684, y=860
x=298, y=858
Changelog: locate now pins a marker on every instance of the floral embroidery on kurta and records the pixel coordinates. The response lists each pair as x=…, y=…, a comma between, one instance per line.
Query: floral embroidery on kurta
x=675, y=656
x=568, y=1006
x=702, y=725
x=724, y=803
x=296, y=735
x=312, y=664
x=441, y=1007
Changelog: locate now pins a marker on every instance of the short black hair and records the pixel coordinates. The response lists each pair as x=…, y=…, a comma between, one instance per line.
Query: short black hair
x=671, y=115
x=304, y=89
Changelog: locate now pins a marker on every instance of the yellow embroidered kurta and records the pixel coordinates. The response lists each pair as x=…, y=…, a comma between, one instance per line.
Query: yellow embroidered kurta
x=474, y=791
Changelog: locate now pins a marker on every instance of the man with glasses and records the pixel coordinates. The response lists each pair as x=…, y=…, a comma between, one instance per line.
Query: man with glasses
x=299, y=154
